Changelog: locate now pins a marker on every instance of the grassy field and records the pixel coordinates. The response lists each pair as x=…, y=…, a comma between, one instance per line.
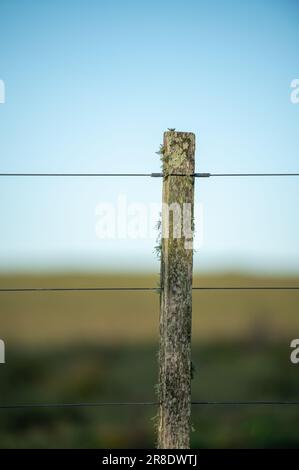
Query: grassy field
x=68, y=347
x=132, y=317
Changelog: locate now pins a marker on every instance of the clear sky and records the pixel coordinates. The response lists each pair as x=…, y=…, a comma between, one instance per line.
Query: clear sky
x=91, y=86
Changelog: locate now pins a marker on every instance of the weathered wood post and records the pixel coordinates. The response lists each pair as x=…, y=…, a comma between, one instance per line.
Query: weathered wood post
x=176, y=291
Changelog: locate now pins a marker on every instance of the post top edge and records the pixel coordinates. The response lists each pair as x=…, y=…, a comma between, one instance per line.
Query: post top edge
x=180, y=133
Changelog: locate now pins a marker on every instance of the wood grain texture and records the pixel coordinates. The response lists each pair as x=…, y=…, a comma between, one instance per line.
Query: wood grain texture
x=174, y=389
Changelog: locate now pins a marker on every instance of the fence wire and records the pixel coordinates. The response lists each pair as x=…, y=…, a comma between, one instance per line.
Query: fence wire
x=142, y=175
x=154, y=289
x=17, y=406
x=142, y=289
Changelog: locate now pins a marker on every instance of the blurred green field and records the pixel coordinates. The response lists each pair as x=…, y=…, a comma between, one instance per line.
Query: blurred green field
x=132, y=317
x=102, y=346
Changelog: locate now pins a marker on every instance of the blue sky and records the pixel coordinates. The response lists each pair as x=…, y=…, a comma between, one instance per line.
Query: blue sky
x=92, y=85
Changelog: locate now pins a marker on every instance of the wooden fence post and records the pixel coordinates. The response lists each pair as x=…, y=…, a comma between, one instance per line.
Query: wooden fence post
x=176, y=291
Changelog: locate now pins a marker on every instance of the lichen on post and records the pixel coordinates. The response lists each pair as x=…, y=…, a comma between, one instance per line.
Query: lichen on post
x=174, y=389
